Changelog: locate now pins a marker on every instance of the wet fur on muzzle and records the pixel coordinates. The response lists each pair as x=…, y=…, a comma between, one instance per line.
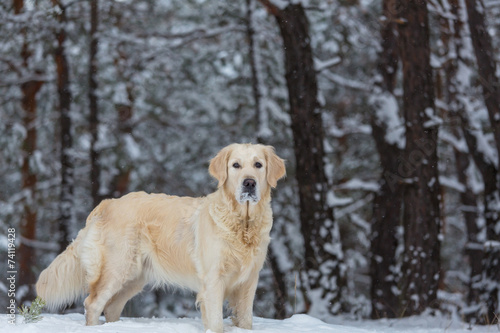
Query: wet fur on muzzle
x=244, y=194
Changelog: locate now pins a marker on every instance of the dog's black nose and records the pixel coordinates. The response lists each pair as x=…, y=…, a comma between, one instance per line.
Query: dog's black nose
x=249, y=184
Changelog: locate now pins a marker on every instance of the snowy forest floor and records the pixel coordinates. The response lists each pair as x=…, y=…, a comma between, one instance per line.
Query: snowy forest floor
x=296, y=324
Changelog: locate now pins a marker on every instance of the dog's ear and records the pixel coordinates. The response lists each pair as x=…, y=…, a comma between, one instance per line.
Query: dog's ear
x=275, y=166
x=218, y=165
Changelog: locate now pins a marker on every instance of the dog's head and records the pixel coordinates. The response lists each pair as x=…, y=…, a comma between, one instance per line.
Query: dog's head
x=248, y=171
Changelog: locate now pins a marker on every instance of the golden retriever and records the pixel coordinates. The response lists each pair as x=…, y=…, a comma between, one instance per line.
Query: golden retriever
x=215, y=245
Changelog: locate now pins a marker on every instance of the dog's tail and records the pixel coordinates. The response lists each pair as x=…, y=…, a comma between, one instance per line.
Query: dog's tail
x=63, y=282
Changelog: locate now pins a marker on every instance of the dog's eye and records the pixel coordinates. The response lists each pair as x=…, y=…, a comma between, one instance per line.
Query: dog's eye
x=236, y=165
x=258, y=165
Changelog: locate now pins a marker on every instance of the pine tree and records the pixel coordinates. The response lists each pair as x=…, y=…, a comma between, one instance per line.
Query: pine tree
x=323, y=266
x=65, y=133
x=387, y=203
x=29, y=89
x=33, y=313
x=421, y=214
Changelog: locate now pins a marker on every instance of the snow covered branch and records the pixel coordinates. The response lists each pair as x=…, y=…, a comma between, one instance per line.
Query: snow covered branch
x=347, y=83
x=199, y=33
x=320, y=65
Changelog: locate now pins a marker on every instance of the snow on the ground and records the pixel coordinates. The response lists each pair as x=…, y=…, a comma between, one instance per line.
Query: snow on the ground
x=75, y=323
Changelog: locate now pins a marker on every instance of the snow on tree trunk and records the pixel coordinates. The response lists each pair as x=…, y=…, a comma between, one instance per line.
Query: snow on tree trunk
x=482, y=286
x=487, y=284
x=486, y=64
x=454, y=92
x=64, y=94
x=486, y=67
x=387, y=203
x=324, y=267
x=474, y=248
x=421, y=216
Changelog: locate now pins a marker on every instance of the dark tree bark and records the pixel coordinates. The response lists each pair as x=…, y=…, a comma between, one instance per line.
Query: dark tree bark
x=29, y=182
x=488, y=284
x=95, y=171
x=280, y=290
x=388, y=200
x=386, y=220
x=120, y=183
x=388, y=57
x=64, y=93
x=451, y=35
x=474, y=247
x=486, y=64
x=323, y=251
x=421, y=216
x=252, y=55
x=486, y=281
x=27, y=231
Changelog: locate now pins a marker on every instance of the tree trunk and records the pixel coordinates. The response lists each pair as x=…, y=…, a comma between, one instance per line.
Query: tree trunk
x=421, y=216
x=254, y=69
x=280, y=291
x=474, y=247
x=386, y=220
x=323, y=264
x=29, y=182
x=486, y=65
x=64, y=93
x=27, y=230
x=486, y=284
x=119, y=186
x=120, y=183
x=95, y=171
x=388, y=200
x=451, y=35
x=388, y=57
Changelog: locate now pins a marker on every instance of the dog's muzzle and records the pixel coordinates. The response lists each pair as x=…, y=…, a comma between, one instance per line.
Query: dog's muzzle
x=248, y=191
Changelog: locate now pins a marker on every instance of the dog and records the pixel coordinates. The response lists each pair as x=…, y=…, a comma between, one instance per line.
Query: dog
x=214, y=245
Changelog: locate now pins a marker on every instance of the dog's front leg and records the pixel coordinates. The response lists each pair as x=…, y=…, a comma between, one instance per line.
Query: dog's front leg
x=241, y=302
x=212, y=299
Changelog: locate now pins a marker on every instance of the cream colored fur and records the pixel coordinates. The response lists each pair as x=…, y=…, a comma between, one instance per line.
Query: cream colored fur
x=215, y=245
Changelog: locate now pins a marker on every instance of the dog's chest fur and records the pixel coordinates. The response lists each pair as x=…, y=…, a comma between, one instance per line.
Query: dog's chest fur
x=245, y=238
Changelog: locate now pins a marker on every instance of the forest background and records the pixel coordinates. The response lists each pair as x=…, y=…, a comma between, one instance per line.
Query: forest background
x=387, y=112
